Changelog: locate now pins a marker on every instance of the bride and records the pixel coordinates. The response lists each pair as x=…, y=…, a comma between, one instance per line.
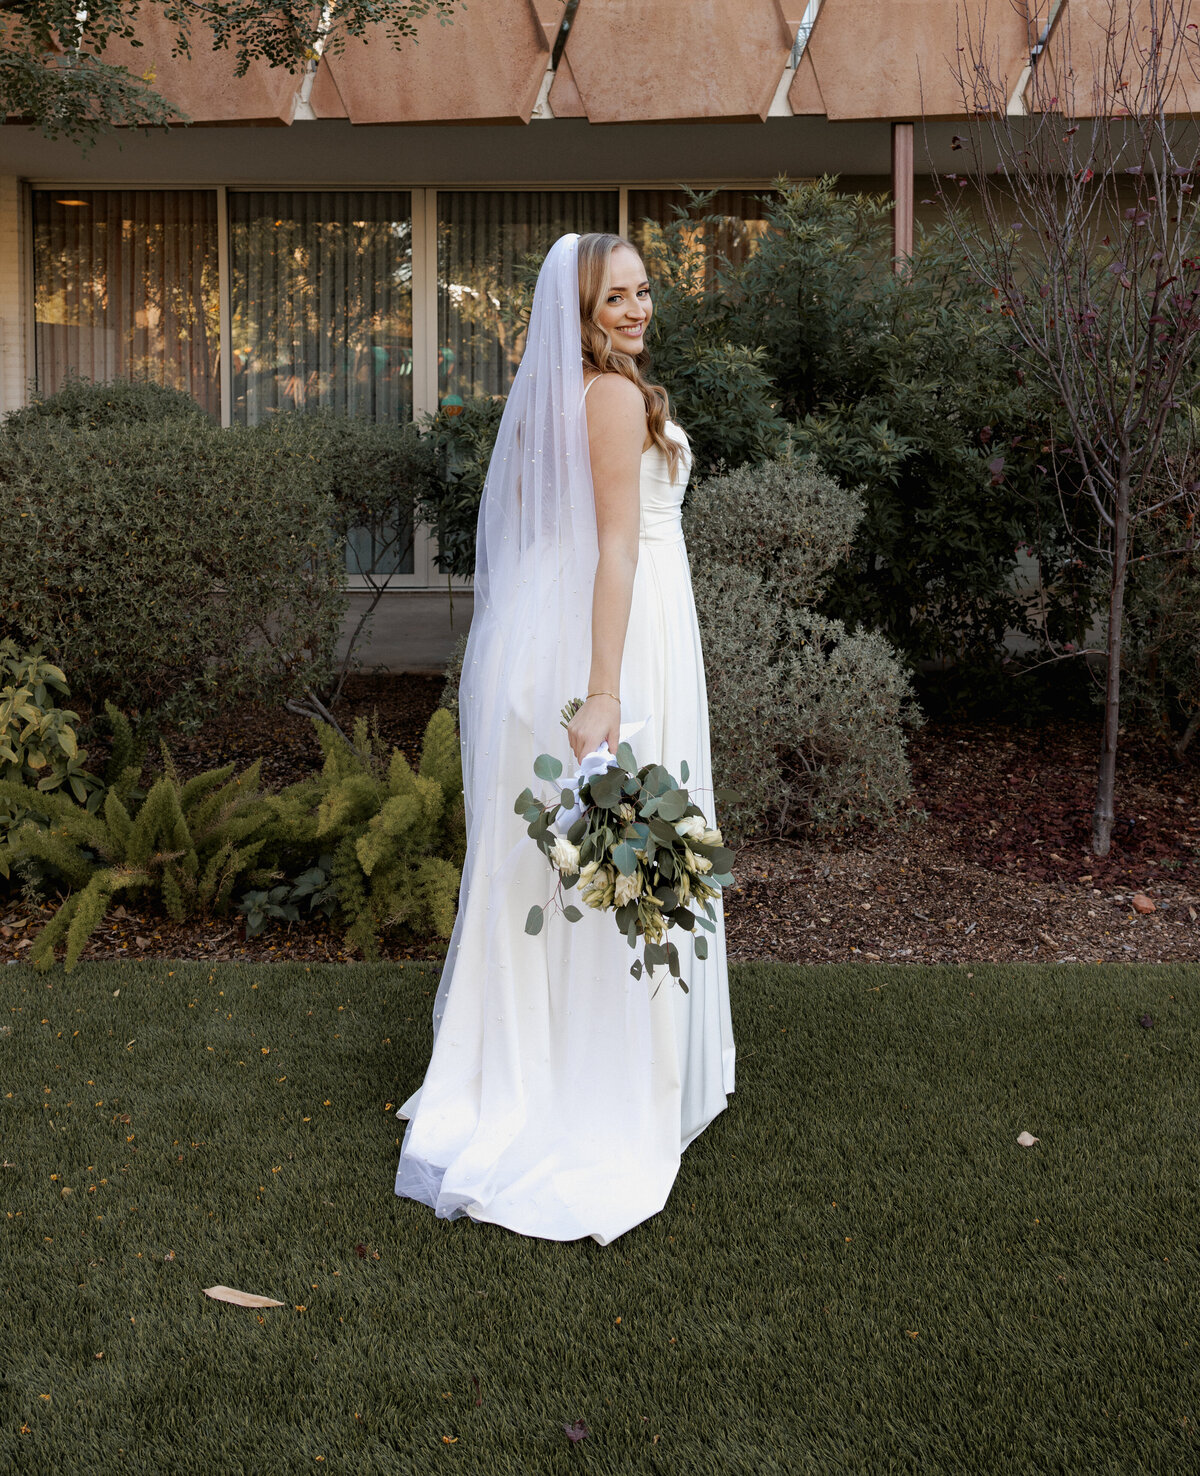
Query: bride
x=561, y=1091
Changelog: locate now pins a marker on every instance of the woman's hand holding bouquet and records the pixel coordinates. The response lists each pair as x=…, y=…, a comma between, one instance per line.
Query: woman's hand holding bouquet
x=635, y=844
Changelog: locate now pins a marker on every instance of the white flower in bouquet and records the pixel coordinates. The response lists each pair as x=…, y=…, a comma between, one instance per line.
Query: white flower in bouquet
x=628, y=888
x=712, y=838
x=586, y=874
x=698, y=864
x=599, y=891
x=691, y=827
x=565, y=856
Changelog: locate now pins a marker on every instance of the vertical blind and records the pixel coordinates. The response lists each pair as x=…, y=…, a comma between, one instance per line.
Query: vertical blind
x=321, y=302
x=488, y=245
x=126, y=285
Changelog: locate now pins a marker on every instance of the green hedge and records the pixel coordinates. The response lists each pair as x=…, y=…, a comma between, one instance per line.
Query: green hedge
x=170, y=566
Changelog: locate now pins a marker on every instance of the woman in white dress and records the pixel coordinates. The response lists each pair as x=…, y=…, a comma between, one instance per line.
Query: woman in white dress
x=561, y=1091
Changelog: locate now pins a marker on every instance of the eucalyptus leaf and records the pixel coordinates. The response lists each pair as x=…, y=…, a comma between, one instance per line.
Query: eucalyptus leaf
x=567, y=799
x=524, y=800
x=533, y=923
x=700, y=944
x=571, y=912
x=684, y=771
x=672, y=805
x=625, y=859
x=625, y=757
x=546, y=766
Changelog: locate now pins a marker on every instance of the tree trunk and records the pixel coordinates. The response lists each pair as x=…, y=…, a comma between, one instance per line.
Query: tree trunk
x=1104, y=816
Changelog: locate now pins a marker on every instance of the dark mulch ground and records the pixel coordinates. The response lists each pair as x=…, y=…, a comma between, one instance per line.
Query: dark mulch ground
x=1001, y=869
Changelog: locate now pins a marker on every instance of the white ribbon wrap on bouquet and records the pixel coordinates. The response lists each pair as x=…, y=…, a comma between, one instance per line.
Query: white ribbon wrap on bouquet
x=597, y=762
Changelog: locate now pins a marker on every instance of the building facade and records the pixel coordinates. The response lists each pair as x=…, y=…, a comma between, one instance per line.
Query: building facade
x=353, y=238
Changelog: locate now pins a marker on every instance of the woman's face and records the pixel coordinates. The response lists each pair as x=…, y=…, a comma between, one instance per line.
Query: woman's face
x=625, y=308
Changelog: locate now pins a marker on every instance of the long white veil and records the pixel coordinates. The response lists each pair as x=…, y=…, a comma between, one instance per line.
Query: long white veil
x=529, y=647
x=554, y=1101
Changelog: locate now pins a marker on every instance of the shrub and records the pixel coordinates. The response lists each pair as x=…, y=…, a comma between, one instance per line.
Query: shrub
x=377, y=477
x=39, y=746
x=807, y=719
x=462, y=441
x=397, y=838
x=903, y=385
x=786, y=521
x=1160, y=657
x=720, y=385
x=82, y=404
x=383, y=843
x=449, y=694
x=172, y=567
x=188, y=843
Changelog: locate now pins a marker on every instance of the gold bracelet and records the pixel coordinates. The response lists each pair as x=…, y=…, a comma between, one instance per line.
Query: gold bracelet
x=613, y=695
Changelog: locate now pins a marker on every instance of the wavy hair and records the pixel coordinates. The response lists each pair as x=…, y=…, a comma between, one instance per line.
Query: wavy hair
x=595, y=251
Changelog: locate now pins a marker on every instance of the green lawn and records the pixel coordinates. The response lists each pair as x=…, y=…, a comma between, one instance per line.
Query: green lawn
x=859, y=1269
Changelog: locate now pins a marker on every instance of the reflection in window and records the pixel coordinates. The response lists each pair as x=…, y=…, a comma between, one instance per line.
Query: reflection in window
x=743, y=222
x=322, y=302
x=322, y=320
x=485, y=277
x=126, y=286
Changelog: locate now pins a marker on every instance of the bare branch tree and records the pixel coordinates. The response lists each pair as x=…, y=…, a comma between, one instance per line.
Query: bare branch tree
x=1076, y=208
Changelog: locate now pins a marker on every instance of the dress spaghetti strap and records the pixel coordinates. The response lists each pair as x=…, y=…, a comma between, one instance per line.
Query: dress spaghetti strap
x=589, y=384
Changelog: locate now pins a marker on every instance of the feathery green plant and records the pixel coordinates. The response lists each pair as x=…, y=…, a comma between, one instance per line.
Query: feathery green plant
x=397, y=835
x=191, y=842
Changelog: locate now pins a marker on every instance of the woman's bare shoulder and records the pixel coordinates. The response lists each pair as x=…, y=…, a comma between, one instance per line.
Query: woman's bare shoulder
x=614, y=392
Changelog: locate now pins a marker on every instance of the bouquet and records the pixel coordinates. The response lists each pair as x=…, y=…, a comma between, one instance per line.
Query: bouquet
x=635, y=844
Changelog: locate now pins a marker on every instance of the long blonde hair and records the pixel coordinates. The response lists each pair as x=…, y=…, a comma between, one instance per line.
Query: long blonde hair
x=594, y=254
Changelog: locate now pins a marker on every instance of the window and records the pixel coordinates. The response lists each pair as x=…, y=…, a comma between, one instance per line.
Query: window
x=321, y=288
x=321, y=302
x=743, y=222
x=485, y=241
x=126, y=284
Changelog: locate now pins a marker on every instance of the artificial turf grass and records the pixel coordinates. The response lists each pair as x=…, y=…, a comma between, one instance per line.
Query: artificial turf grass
x=864, y=1185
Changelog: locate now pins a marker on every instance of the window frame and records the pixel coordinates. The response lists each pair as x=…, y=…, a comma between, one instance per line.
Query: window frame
x=424, y=213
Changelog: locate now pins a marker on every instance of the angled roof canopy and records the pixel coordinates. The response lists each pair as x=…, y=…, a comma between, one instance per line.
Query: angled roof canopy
x=677, y=60
x=485, y=67
x=204, y=86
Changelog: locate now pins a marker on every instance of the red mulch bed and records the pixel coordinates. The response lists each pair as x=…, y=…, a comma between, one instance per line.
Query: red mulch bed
x=1000, y=869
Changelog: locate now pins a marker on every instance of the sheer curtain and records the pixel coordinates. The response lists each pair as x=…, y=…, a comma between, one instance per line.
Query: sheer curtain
x=322, y=320
x=321, y=302
x=485, y=287
x=126, y=284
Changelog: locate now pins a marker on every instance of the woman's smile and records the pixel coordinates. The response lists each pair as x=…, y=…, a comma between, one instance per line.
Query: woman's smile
x=628, y=291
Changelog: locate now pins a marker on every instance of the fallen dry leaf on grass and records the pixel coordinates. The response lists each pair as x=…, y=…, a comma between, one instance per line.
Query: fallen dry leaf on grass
x=239, y=1298
x=1027, y=1140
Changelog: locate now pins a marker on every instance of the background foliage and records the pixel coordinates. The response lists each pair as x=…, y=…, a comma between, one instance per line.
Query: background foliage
x=170, y=566
x=807, y=719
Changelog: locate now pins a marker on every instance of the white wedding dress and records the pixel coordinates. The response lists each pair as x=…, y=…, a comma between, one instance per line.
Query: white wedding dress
x=567, y=1132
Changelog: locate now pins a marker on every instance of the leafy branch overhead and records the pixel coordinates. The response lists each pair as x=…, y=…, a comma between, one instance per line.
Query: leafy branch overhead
x=53, y=73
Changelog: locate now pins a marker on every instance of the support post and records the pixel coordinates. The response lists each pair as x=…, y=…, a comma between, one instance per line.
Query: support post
x=902, y=194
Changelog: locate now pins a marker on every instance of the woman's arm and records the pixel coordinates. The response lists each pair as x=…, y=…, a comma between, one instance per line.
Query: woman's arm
x=616, y=421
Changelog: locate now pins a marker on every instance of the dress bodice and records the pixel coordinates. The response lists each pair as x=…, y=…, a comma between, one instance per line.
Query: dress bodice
x=662, y=497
